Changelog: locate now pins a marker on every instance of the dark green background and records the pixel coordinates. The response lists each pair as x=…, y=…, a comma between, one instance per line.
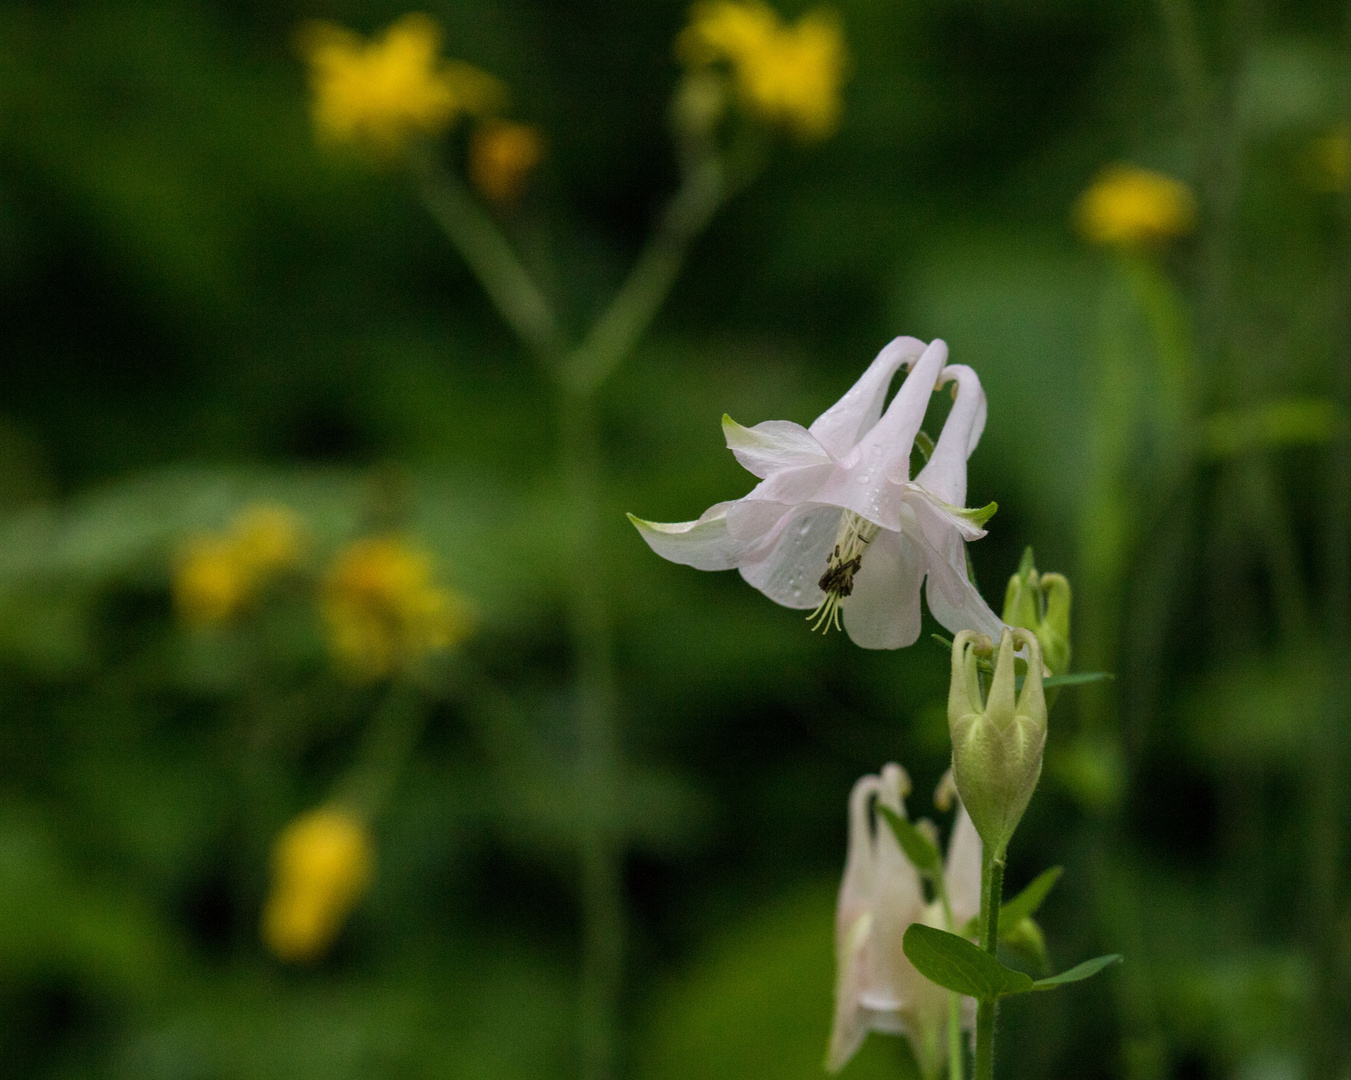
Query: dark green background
x=200, y=308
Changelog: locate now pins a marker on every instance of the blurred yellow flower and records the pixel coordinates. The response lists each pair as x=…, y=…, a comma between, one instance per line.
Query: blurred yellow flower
x=381, y=92
x=383, y=611
x=502, y=156
x=219, y=574
x=1132, y=207
x=1332, y=161
x=784, y=74
x=268, y=537
x=321, y=865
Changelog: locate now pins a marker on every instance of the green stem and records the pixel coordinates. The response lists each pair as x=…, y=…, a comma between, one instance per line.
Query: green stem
x=1326, y=844
x=991, y=896
x=985, y=1040
x=1189, y=69
x=1106, y=537
x=598, y=762
x=954, y=1036
x=1174, y=355
x=389, y=741
x=257, y=719
x=633, y=308
x=578, y=374
x=523, y=307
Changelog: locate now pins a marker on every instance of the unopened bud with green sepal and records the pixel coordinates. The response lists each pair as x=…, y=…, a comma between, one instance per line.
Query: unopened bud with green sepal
x=1041, y=603
x=997, y=741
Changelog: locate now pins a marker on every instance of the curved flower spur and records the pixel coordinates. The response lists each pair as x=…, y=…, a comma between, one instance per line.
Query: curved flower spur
x=836, y=525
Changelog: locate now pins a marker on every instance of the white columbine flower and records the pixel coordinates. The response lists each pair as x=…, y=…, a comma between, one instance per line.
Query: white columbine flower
x=837, y=524
x=876, y=986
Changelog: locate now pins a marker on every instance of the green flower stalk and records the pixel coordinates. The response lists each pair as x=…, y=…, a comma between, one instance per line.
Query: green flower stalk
x=997, y=742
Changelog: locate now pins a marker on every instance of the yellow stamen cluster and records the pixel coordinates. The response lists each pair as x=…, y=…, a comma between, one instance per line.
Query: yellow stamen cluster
x=846, y=559
x=784, y=74
x=380, y=93
x=1130, y=207
x=321, y=865
x=384, y=613
x=218, y=575
x=502, y=155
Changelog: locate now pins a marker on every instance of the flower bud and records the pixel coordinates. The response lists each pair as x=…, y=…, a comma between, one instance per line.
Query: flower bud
x=1041, y=603
x=997, y=745
x=502, y=155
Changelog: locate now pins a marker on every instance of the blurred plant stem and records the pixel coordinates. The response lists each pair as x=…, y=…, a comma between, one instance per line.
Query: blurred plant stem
x=386, y=747
x=1328, y=779
x=577, y=374
x=955, y=1040
x=991, y=896
x=1124, y=501
x=1136, y=524
x=523, y=307
x=615, y=334
x=598, y=748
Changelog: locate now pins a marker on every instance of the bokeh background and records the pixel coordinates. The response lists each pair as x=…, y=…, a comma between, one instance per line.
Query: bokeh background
x=202, y=309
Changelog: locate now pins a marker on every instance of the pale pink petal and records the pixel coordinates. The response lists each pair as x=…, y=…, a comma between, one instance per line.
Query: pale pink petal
x=938, y=519
x=853, y=926
x=704, y=544
x=892, y=437
x=870, y=481
x=792, y=485
x=773, y=446
x=840, y=427
x=898, y=900
x=860, y=864
x=883, y=612
x=789, y=572
x=752, y=520
x=851, y=1025
x=962, y=871
x=954, y=601
x=945, y=473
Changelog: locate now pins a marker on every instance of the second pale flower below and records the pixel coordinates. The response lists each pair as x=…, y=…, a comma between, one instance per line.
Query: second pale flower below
x=876, y=986
x=837, y=525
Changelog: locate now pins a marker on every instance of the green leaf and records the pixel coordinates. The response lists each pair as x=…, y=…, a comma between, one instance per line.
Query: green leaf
x=918, y=848
x=955, y=964
x=1022, y=906
x=1289, y=422
x=1078, y=973
x=1077, y=678
x=1026, y=902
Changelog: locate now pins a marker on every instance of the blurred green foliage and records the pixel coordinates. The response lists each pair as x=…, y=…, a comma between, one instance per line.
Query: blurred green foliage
x=202, y=310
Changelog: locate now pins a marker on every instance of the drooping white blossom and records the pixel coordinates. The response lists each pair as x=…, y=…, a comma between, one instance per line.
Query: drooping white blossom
x=837, y=524
x=876, y=986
